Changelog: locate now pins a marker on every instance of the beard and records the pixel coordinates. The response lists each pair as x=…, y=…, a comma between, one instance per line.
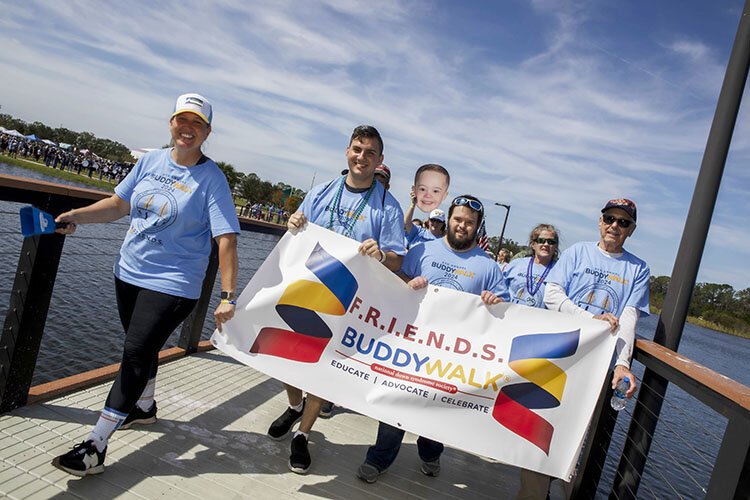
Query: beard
x=457, y=244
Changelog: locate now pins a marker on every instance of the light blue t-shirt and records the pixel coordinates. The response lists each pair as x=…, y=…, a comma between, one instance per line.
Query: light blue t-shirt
x=515, y=275
x=334, y=207
x=599, y=283
x=417, y=235
x=174, y=213
x=470, y=271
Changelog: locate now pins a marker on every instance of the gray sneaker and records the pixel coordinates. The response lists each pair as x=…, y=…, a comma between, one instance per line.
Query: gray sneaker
x=431, y=469
x=368, y=473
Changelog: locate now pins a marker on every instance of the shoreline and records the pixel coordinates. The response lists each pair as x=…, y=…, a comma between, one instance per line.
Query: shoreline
x=693, y=320
x=101, y=184
x=41, y=168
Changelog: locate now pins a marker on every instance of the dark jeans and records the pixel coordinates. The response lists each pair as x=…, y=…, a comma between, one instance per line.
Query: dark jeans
x=148, y=318
x=388, y=442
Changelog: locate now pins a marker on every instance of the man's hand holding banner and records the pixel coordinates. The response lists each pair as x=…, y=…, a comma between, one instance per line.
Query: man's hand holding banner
x=510, y=382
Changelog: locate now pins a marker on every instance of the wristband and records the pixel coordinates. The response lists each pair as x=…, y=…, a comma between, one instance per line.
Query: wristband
x=384, y=256
x=227, y=301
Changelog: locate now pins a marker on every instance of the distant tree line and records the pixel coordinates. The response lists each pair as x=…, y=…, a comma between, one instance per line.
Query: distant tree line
x=106, y=148
x=508, y=243
x=248, y=186
x=255, y=190
x=719, y=304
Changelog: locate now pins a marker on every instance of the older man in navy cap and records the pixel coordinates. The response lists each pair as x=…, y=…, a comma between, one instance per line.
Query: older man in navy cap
x=600, y=280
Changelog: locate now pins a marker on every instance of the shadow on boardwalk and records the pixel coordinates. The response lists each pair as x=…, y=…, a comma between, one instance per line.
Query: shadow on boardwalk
x=210, y=442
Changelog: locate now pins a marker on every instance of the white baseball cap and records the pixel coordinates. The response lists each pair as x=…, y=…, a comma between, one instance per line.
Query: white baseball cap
x=438, y=215
x=194, y=103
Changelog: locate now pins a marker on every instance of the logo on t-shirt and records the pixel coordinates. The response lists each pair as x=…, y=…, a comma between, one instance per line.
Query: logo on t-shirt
x=598, y=298
x=155, y=210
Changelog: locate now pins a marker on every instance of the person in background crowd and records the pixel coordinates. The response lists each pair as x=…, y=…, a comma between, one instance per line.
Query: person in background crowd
x=617, y=293
x=503, y=258
x=526, y=277
x=358, y=207
x=434, y=262
x=178, y=201
x=383, y=175
x=435, y=229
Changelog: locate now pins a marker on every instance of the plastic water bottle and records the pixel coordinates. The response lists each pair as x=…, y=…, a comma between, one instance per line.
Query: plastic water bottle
x=618, y=397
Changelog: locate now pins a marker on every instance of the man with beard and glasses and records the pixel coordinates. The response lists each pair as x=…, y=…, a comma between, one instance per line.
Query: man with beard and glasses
x=437, y=262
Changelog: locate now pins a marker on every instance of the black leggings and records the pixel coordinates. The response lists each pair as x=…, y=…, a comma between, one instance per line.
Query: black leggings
x=149, y=318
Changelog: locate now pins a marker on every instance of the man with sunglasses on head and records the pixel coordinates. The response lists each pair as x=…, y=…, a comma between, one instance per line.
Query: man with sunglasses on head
x=600, y=280
x=454, y=261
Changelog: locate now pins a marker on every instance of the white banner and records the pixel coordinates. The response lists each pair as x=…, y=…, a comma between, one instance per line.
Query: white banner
x=510, y=382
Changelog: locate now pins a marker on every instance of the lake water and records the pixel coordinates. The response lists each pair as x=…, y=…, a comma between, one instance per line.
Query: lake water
x=83, y=332
x=83, y=329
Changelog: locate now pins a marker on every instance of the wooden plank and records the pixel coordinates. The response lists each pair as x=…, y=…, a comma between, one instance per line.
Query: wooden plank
x=210, y=442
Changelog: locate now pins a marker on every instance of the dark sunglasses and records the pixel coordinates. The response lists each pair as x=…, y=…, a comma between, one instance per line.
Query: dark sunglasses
x=610, y=219
x=549, y=241
x=475, y=205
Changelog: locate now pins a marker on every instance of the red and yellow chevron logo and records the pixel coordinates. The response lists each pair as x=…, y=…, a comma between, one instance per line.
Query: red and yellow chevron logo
x=529, y=357
x=300, y=305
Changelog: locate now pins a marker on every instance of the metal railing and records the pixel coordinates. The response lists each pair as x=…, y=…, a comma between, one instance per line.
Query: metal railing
x=36, y=273
x=728, y=469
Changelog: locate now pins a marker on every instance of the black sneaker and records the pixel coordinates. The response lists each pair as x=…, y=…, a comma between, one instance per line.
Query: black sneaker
x=282, y=425
x=83, y=459
x=138, y=416
x=299, y=460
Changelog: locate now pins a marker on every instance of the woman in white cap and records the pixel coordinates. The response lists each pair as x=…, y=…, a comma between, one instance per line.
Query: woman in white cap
x=433, y=230
x=178, y=201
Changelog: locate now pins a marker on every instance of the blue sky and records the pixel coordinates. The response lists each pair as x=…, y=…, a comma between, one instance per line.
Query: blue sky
x=552, y=107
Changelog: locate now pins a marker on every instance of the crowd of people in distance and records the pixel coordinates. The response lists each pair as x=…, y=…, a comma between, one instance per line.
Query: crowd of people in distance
x=154, y=298
x=268, y=213
x=65, y=159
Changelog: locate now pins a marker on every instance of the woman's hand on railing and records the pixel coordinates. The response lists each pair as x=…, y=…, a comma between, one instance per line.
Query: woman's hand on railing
x=65, y=223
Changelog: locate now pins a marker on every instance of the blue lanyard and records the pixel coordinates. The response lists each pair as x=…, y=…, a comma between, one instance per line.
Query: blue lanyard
x=530, y=280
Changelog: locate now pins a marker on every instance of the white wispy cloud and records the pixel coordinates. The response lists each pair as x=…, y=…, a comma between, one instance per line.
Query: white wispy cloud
x=554, y=133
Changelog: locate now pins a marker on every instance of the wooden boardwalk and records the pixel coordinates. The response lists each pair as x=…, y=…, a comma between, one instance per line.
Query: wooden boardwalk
x=210, y=442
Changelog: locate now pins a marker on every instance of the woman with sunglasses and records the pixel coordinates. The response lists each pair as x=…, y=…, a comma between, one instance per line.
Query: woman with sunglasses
x=527, y=276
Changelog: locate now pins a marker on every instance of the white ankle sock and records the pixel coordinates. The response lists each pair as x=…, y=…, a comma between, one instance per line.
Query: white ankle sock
x=147, y=397
x=109, y=421
x=306, y=434
x=298, y=407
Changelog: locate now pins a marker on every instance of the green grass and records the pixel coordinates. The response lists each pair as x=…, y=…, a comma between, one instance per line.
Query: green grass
x=60, y=174
x=709, y=324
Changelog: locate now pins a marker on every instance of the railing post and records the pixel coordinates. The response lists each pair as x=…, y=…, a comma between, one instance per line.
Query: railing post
x=731, y=475
x=24, y=323
x=677, y=300
x=190, y=334
x=594, y=452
